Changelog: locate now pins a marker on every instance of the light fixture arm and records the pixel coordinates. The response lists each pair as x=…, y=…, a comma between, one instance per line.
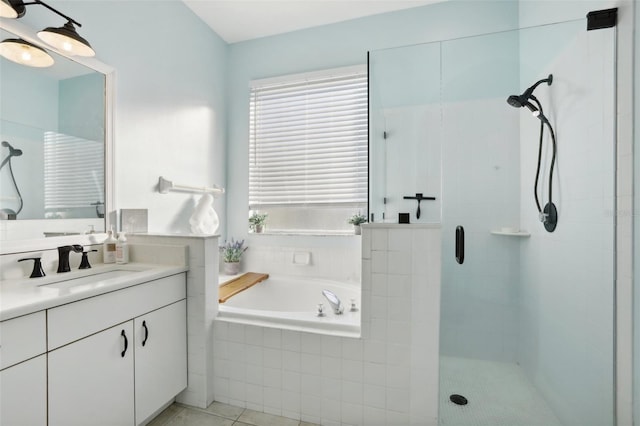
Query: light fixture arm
x=53, y=10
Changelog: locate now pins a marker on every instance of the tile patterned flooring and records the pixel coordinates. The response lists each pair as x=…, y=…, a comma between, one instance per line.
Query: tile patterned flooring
x=218, y=414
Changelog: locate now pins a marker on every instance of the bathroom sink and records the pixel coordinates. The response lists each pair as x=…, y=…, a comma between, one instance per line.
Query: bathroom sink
x=89, y=279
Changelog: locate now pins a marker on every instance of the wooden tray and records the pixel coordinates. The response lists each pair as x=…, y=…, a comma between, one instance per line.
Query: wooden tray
x=238, y=284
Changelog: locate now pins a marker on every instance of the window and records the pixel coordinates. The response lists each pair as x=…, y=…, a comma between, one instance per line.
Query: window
x=308, y=150
x=73, y=174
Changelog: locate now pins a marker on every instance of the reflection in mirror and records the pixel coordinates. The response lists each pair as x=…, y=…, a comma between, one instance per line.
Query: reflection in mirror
x=52, y=127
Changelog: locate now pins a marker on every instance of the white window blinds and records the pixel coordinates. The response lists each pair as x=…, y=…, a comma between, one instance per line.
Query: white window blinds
x=308, y=140
x=73, y=171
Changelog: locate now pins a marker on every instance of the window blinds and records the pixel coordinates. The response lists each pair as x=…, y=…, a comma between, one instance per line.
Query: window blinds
x=308, y=141
x=73, y=171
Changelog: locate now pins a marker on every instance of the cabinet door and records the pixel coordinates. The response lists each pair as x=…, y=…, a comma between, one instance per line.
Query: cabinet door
x=91, y=380
x=161, y=357
x=23, y=393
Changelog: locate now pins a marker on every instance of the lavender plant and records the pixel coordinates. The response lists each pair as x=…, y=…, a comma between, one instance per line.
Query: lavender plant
x=232, y=251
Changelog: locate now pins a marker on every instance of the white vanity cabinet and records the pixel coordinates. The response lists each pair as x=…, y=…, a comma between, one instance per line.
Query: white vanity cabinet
x=100, y=373
x=23, y=393
x=90, y=381
x=160, y=357
x=23, y=370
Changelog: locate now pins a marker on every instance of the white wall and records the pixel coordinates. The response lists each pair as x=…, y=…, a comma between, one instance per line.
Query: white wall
x=536, y=13
x=405, y=106
x=169, y=109
x=480, y=193
x=567, y=277
x=330, y=46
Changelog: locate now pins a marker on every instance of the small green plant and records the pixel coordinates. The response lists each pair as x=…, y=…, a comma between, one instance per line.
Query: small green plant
x=232, y=251
x=357, y=219
x=257, y=221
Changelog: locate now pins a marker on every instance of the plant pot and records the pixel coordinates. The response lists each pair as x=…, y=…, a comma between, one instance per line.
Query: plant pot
x=259, y=228
x=357, y=230
x=231, y=268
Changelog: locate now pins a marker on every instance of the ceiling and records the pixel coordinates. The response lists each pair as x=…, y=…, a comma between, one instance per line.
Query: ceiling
x=240, y=20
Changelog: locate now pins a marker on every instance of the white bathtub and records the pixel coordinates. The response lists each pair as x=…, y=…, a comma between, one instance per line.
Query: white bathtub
x=291, y=303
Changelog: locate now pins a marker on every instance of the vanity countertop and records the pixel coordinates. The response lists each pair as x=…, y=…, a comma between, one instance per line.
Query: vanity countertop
x=24, y=296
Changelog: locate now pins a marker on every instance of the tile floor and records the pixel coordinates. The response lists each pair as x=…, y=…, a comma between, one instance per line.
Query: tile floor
x=218, y=414
x=499, y=394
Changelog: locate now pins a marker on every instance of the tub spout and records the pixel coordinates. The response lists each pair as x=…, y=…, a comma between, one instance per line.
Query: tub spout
x=335, y=303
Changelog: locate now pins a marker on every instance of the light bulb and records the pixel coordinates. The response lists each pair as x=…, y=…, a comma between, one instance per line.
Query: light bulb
x=26, y=56
x=67, y=46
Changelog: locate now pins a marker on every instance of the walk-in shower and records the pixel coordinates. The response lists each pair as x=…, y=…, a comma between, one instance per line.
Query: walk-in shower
x=526, y=324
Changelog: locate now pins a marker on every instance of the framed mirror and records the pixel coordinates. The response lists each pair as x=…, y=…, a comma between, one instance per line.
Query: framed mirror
x=56, y=154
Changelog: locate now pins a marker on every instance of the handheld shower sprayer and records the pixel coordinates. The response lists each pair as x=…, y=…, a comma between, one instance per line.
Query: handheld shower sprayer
x=549, y=215
x=520, y=101
x=13, y=152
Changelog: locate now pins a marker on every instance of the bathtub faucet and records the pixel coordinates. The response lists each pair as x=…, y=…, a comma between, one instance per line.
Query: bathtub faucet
x=335, y=303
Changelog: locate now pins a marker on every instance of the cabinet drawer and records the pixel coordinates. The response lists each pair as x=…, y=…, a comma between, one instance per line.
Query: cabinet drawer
x=22, y=338
x=76, y=320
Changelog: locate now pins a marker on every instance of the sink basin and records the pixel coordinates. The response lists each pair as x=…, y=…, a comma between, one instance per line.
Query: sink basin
x=89, y=279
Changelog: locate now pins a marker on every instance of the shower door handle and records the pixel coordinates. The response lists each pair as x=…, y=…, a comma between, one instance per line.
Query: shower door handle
x=460, y=245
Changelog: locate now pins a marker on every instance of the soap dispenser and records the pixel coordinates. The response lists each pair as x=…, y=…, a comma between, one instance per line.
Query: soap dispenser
x=109, y=247
x=122, y=249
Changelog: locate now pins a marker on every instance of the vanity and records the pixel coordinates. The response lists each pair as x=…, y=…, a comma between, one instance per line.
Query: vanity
x=106, y=345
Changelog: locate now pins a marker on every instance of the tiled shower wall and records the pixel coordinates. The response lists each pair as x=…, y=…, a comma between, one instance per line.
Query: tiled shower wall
x=388, y=376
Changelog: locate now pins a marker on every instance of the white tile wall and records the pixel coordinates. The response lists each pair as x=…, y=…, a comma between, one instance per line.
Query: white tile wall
x=389, y=376
x=567, y=277
x=202, y=308
x=340, y=262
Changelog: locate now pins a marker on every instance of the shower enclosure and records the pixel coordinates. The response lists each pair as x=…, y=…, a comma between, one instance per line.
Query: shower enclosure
x=526, y=327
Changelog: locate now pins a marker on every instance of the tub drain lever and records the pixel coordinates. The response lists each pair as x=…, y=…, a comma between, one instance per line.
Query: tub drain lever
x=320, y=310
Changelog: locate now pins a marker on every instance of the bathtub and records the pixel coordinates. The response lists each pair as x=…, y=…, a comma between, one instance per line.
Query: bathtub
x=291, y=303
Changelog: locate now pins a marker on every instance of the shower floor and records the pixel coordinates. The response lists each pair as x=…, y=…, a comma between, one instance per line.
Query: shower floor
x=499, y=394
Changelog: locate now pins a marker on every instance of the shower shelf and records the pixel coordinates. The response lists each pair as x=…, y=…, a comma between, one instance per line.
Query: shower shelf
x=522, y=234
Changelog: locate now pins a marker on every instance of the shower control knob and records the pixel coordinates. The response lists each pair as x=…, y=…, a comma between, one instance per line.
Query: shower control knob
x=320, y=310
x=353, y=306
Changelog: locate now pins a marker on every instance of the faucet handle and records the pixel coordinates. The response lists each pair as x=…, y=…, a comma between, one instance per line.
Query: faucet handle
x=37, y=267
x=84, y=263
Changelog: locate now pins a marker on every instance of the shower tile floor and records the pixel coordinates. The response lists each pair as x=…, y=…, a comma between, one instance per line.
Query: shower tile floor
x=499, y=394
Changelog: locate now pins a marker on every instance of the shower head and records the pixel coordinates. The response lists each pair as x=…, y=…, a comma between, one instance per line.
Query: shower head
x=519, y=101
x=13, y=152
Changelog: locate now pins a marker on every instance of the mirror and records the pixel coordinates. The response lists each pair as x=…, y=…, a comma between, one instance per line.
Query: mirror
x=55, y=131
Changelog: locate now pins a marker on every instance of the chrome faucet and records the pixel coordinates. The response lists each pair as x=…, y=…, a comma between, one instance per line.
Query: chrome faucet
x=335, y=303
x=63, y=256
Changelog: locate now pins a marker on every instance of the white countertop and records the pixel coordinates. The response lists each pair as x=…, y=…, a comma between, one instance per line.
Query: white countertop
x=24, y=296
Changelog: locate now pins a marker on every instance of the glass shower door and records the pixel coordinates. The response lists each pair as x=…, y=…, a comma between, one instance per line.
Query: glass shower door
x=527, y=320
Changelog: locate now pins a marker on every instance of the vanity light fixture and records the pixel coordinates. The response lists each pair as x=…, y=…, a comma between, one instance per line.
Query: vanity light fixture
x=11, y=9
x=25, y=53
x=67, y=39
x=64, y=38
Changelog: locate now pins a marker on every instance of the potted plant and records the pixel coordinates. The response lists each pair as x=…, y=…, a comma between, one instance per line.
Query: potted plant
x=231, y=254
x=356, y=220
x=257, y=222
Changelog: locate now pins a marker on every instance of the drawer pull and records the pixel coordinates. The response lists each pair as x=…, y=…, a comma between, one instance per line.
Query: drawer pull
x=146, y=333
x=126, y=343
